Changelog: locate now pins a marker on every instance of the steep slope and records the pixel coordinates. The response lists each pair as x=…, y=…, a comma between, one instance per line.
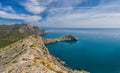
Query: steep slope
x=30, y=56
x=22, y=50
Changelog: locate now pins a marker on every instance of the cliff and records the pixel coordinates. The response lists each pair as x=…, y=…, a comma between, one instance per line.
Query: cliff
x=29, y=55
x=60, y=39
x=39, y=31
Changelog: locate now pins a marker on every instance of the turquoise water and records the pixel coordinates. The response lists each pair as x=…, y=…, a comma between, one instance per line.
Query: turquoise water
x=97, y=50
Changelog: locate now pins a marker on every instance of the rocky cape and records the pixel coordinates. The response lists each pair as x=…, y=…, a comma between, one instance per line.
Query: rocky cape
x=29, y=54
x=60, y=39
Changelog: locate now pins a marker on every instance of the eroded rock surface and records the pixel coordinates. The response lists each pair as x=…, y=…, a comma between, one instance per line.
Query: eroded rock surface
x=30, y=56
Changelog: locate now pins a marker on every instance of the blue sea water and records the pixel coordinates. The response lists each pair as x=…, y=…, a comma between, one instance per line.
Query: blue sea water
x=97, y=50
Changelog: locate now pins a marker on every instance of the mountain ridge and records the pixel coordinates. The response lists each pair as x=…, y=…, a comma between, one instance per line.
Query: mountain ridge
x=29, y=55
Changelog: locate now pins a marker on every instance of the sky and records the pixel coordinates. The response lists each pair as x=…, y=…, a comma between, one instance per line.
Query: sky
x=62, y=13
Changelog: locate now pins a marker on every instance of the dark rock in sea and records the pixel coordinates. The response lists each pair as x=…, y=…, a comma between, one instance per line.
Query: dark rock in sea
x=71, y=37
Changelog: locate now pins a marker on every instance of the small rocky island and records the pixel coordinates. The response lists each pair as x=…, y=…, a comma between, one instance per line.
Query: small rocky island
x=64, y=38
x=22, y=50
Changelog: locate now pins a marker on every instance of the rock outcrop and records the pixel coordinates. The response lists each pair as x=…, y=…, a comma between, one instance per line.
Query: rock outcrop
x=38, y=30
x=55, y=40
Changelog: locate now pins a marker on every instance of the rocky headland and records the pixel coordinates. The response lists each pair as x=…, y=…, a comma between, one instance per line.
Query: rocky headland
x=60, y=39
x=22, y=50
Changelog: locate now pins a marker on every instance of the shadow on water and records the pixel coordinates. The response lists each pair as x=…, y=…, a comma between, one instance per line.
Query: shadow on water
x=70, y=41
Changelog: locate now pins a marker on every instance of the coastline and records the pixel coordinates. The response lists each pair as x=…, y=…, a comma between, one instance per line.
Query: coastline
x=30, y=52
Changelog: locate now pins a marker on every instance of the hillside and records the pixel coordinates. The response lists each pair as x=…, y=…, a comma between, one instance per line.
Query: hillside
x=12, y=33
x=28, y=54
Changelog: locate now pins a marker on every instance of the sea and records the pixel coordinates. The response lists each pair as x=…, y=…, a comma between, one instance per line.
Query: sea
x=97, y=49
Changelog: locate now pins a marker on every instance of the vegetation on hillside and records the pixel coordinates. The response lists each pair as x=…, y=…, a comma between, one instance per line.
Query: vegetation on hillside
x=12, y=33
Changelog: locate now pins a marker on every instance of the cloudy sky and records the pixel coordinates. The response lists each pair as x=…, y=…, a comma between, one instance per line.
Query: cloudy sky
x=62, y=13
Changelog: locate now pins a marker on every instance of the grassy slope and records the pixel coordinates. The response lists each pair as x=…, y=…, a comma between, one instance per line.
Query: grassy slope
x=10, y=33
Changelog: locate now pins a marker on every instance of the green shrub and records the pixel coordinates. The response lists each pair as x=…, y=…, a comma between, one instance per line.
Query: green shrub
x=59, y=72
x=32, y=45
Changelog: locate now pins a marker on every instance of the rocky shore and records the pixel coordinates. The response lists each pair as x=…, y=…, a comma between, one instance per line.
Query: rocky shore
x=60, y=39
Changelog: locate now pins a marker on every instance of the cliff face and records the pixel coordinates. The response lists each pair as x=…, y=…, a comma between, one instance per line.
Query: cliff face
x=39, y=31
x=29, y=55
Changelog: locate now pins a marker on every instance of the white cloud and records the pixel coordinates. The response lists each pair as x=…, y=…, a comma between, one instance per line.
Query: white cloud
x=9, y=13
x=105, y=15
x=67, y=13
x=27, y=18
x=7, y=8
x=33, y=6
x=66, y=3
x=38, y=6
